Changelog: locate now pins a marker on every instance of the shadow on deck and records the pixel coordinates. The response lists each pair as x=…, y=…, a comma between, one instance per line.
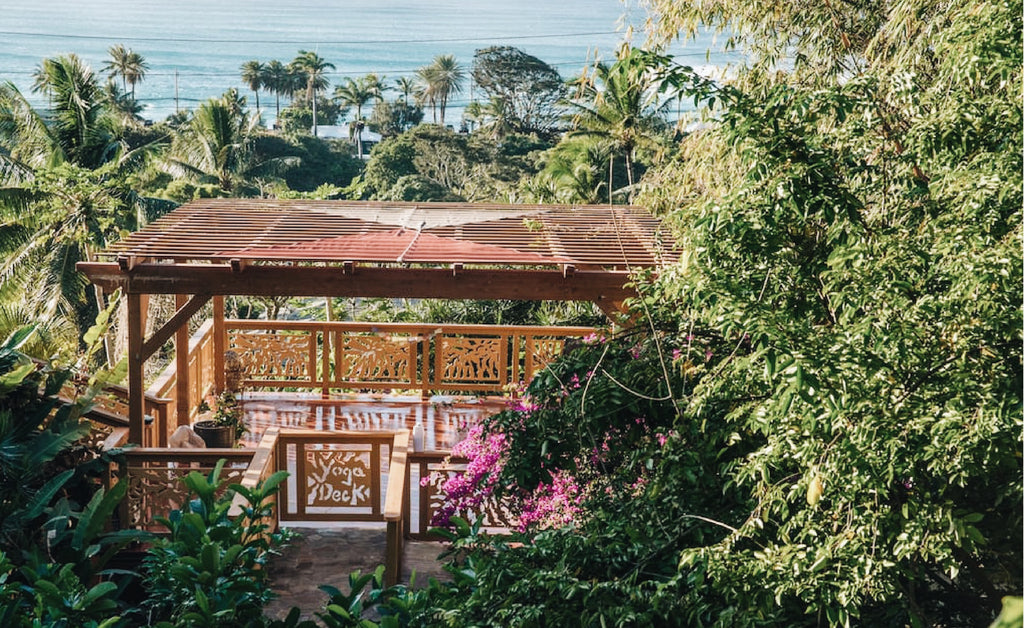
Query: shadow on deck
x=444, y=419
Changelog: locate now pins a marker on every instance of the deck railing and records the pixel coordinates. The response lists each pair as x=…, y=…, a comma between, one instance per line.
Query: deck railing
x=429, y=470
x=154, y=477
x=386, y=356
x=202, y=367
x=339, y=476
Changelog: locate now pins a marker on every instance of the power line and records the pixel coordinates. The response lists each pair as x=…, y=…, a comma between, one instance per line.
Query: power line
x=304, y=42
x=387, y=72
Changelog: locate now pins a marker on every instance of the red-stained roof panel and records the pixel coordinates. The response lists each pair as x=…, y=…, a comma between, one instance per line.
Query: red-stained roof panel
x=277, y=231
x=398, y=245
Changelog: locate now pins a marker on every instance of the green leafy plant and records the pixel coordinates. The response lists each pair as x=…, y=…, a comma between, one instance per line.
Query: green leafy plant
x=210, y=569
x=228, y=413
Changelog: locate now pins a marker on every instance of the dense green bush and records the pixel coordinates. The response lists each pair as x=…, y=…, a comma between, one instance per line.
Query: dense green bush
x=211, y=568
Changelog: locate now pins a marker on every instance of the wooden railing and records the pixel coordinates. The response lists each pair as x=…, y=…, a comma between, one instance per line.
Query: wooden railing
x=154, y=479
x=340, y=476
x=109, y=410
x=384, y=356
x=202, y=365
x=394, y=508
x=262, y=466
x=422, y=501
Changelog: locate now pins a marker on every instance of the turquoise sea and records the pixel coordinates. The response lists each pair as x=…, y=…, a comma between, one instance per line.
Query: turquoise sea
x=201, y=43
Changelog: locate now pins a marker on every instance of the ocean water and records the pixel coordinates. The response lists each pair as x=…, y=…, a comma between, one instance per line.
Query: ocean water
x=195, y=48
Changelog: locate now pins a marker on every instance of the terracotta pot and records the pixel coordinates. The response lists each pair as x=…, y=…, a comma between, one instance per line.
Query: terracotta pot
x=215, y=436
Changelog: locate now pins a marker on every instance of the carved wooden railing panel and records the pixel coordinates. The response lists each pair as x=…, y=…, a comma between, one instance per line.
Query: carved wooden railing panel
x=373, y=359
x=276, y=357
x=154, y=479
x=334, y=476
x=541, y=351
x=429, y=472
x=471, y=363
x=424, y=357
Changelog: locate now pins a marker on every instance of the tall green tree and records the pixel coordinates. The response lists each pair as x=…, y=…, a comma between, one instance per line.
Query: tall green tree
x=254, y=75
x=439, y=81
x=277, y=80
x=529, y=91
x=406, y=85
x=622, y=104
x=357, y=93
x=63, y=193
x=128, y=64
x=64, y=215
x=854, y=227
x=218, y=146
x=313, y=68
x=78, y=122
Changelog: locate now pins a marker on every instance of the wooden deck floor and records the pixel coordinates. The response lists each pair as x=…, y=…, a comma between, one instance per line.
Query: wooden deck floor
x=444, y=419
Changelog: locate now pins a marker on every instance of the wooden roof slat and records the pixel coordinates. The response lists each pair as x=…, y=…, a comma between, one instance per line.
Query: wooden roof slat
x=210, y=229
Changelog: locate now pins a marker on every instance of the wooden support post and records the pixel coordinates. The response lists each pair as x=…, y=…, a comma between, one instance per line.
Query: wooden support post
x=325, y=362
x=394, y=507
x=393, y=557
x=136, y=372
x=182, y=410
x=220, y=339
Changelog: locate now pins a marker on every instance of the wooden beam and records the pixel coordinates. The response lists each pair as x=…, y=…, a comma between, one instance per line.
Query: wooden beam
x=136, y=363
x=181, y=317
x=181, y=375
x=219, y=341
x=387, y=282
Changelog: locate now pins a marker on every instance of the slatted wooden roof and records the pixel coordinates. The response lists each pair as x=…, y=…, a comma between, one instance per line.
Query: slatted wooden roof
x=272, y=231
x=361, y=249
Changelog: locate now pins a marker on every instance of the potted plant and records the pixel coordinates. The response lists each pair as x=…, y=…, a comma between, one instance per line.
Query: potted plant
x=224, y=425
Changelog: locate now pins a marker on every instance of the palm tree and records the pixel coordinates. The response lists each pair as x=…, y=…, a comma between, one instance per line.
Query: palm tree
x=575, y=171
x=217, y=146
x=62, y=189
x=26, y=142
x=356, y=93
x=406, y=85
x=439, y=81
x=78, y=120
x=621, y=105
x=277, y=80
x=129, y=65
x=254, y=75
x=313, y=67
x=123, y=105
x=69, y=213
x=494, y=118
x=375, y=85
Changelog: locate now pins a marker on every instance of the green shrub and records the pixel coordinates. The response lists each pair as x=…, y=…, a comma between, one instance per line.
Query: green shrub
x=211, y=568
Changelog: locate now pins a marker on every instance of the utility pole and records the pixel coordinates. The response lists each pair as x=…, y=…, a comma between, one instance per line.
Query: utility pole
x=175, y=90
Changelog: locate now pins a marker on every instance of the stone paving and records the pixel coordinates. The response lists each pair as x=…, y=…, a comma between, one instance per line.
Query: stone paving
x=329, y=555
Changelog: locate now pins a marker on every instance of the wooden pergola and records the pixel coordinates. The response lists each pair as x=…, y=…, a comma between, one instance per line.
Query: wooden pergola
x=212, y=248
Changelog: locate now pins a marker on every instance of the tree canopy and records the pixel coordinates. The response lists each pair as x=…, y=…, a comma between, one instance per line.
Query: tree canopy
x=527, y=90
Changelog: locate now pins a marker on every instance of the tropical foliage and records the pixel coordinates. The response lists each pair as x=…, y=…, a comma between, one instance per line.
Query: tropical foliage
x=823, y=423
x=438, y=82
x=218, y=146
x=129, y=65
x=524, y=92
x=814, y=418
